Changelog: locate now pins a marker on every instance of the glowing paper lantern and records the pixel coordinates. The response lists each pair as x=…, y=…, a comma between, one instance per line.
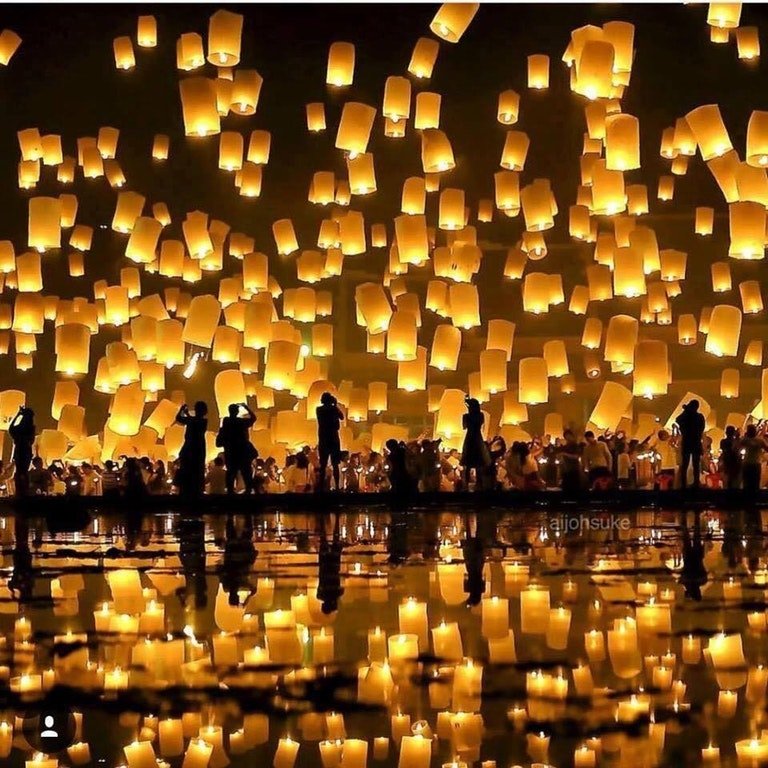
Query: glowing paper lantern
x=315, y=116
x=146, y=32
x=225, y=30
x=747, y=222
x=687, y=329
x=44, y=223
x=123, y=50
x=29, y=276
x=198, y=102
x=464, y=302
x=515, y=151
x=493, y=370
x=724, y=15
x=748, y=43
x=73, y=343
x=202, y=320
x=753, y=355
x=412, y=375
x=538, y=71
x=629, y=273
x=651, y=372
x=452, y=19
x=556, y=358
x=412, y=239
x=622, y=142
x=341, y=64
x=507, y=188
x=611, y=406
x=436, y=152
x=724, y=331
x=751, y=299
x=427, y=114
x=397, y=98
x=373, y=306
x=230, y=151
x=246, y=88
x=621, y=339
x=9, y=44
x=355, y=127
x=707, y=126
x=423, y=57
x=533, y=381
x=729, y=383
x=128, y=208
x=143, y=240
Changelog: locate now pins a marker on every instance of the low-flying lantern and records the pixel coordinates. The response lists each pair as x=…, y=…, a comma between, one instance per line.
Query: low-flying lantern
x=123, y=50
x=315, y=117
x=436, y=151
x=707, y=126
x=427, y=113
x=44, y=223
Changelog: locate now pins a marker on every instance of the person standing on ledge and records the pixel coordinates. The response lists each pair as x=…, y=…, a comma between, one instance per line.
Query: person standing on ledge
x=329, y=418
x=22, y=432
x=239, y=452
x=691, y=424
x=474, y=451
x=190, y=478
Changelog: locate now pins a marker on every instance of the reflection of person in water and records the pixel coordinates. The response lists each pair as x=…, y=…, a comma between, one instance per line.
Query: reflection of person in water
x=329, y=589
x=22, y=579
x=239, y=556
x=693, y=575
x=474, y=561
x=191, y=533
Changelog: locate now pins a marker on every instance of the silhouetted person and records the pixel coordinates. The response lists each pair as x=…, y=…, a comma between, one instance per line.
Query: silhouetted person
x=329, y=418
x=190, y=478
x=730, y=458
x=239, y=452
x=753, y=446
x=22, y=432
x=134, y=480
x=329, y=589
x=570, y=463
x=474, y=452
x=239, y=556
x=693, y=574
x=691, y=424
x=397, y=461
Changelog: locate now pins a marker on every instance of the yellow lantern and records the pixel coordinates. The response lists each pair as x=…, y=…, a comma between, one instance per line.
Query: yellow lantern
x=705, y=218
x=611, y=406
x=259, y=147
x=230, y=151
x=73, y=344
x=146, y=33
x=246, y=89
x=401, y=337
x=397, y=98
x=76, y=264
x=592, y=334
x=116, y=305
x=536, y=201
x=687, y=329
x=533, y=382
x=622, y=142
x=753, y=355
x=315, y=116
x=751, y=299
x=122, y=362
x=225, y=30
x=464, y=302
x=170, y=342
x=608, y=192
x=126, y=410
x=579, y=302
x=142, y=243
x=189, y=51
x=412, y=239
x=128, y=208
x=707, y=126
x=355, y=127
x=724, y=331
x=160, y=146
x=436, y=152
x=628, y=273
x=621, y=339
x=452, y=19
x=29, y=276
x=123, y=50
x=748, y=45
x=362, y=177
x=29, y=174
x=322, y=340
x=250, y=180
x=9, y=44
x=199, y=109
x=515, y=151
x=281, y=364
x=341, y=64
x=66, y=392
x=747, y=222
x=673, y=264
x=509, y=107
x=501, y=335
x=536, y=293
x=507, y=188
x=556, y=358
x=724, y=15
x=285, y=237
x=451, y=209
x=651, y=371
x=427, y=111
x=44, y=223
x=227, y=343
x=538, y=71
x=202, y=320
x=171, y=263
x=446, y=345
x=412, y=375
x=729, y=383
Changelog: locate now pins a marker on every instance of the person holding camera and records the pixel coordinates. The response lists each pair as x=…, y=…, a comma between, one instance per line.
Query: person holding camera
x=329, y=418
x=239, y=451
x=22, y=432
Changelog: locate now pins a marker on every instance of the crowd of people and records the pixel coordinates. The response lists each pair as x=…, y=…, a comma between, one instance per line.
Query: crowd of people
x=678, y=458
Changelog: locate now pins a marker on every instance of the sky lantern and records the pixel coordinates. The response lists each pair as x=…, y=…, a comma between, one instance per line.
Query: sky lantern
x=230, y=151
x=427, y=114
x=246, y=89
x=423, y=57
x=536, y=200
x=611, y=406
x=533, y=381
x=225, y=31
x=362, y=176
x=73, y=344
x=315, y=112
x=29, y=276
x=515, y=151
x=146, y=32
x=189, y=51
x=123, y=50
x=707, y=126
x=724, y=15
x=446, y=345
x=397, y=98
x=507, y=186
x=143, y=240
x=593, y=333
x=621, y=339
x=198, y=102
x=44, y=223
x=705, y=218
x=9, y=44
x=622, y=142
x=355, y=127
x=538, y=71
x=729, y=383
x=651, y=373
x=126, y=410
x=751, y=299
x=594, y=70
x=464, y=303
x=401, y=337
x=687, y=329
x=753, y=354
x=414, y=195
x=724, y=331
x=747, y=222
x=341, y=64
x=412, y=238
x=412, y=374
x=556, y=358
x=452, y=19
x=508, y=108
x=436, y=151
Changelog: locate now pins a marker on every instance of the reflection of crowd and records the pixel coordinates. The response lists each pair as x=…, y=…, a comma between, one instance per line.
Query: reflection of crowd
x=668, y=459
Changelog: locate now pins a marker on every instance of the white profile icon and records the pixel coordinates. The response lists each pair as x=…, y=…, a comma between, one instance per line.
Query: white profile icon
x=49, y=733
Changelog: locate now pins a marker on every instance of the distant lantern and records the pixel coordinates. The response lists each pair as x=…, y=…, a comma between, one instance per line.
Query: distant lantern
x=9, y=44
x=397, y=98
x=556, y=358
x=507, y=187
x=729, y=383
x=69, y=206
x=451, y=209
x=500, y=335
x=377, y=396
x=355, y=127
x=44, y=223
x=464, y=304
x=225, y=30
x=106, y=142
x=533, y=381
x=436, y=152
x=446, y=345
x=230, y=151
x=189, y=51
x=282, y=361
x=710, y=132
x=687, y=329
x=198, y=102
x=628, y=273
x=613, y=403
x=146, y=32
x=373, y=305
x=673, y=264
x=362, y=176
x=250, y=180
x=414, y=196
x=29, y=276
x=593, y=333
x=536, y=293
x=666, y=189
x=579, y=223
x=452, y=19
x=285, y=237
x=423, y=57
x=608, y=191
x=412, y=239
x=227, y=343
x=747, y=222
x=76, y=264
x=352, y=234
x=427, y=113
x=246, y=89
x=493, y=371
x=622, y=142
x=171, y=263
x=538, y=71
x=705, y=218
x=621, y=339
x=259, y=147
x=322, y=339
x=28, y=313
x=537, y=203
x=748, y=43
x=202, y=320
x=724, y=15
x=412, y=375
x=508, y=108
x=123, y=50
x=341, y=64
x=751, y=298
x=197, y=235
x=651, y=371
x=160, y=146
x=315, y=116
x=515, y=150
x=29, y=174
x=724, y=331
x=142, y=243
x=753, y=355
x=401, y=337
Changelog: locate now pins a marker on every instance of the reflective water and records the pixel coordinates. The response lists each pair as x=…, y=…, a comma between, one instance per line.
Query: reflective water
x=520, y=638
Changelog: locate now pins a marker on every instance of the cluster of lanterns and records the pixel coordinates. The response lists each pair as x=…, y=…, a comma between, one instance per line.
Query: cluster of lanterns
x=614, y=631
x=274, y=344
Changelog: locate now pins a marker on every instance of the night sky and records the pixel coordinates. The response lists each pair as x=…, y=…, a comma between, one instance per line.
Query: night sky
x=63, y=80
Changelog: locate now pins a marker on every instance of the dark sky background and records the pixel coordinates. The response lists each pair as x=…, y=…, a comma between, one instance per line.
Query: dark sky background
x=63, y=80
